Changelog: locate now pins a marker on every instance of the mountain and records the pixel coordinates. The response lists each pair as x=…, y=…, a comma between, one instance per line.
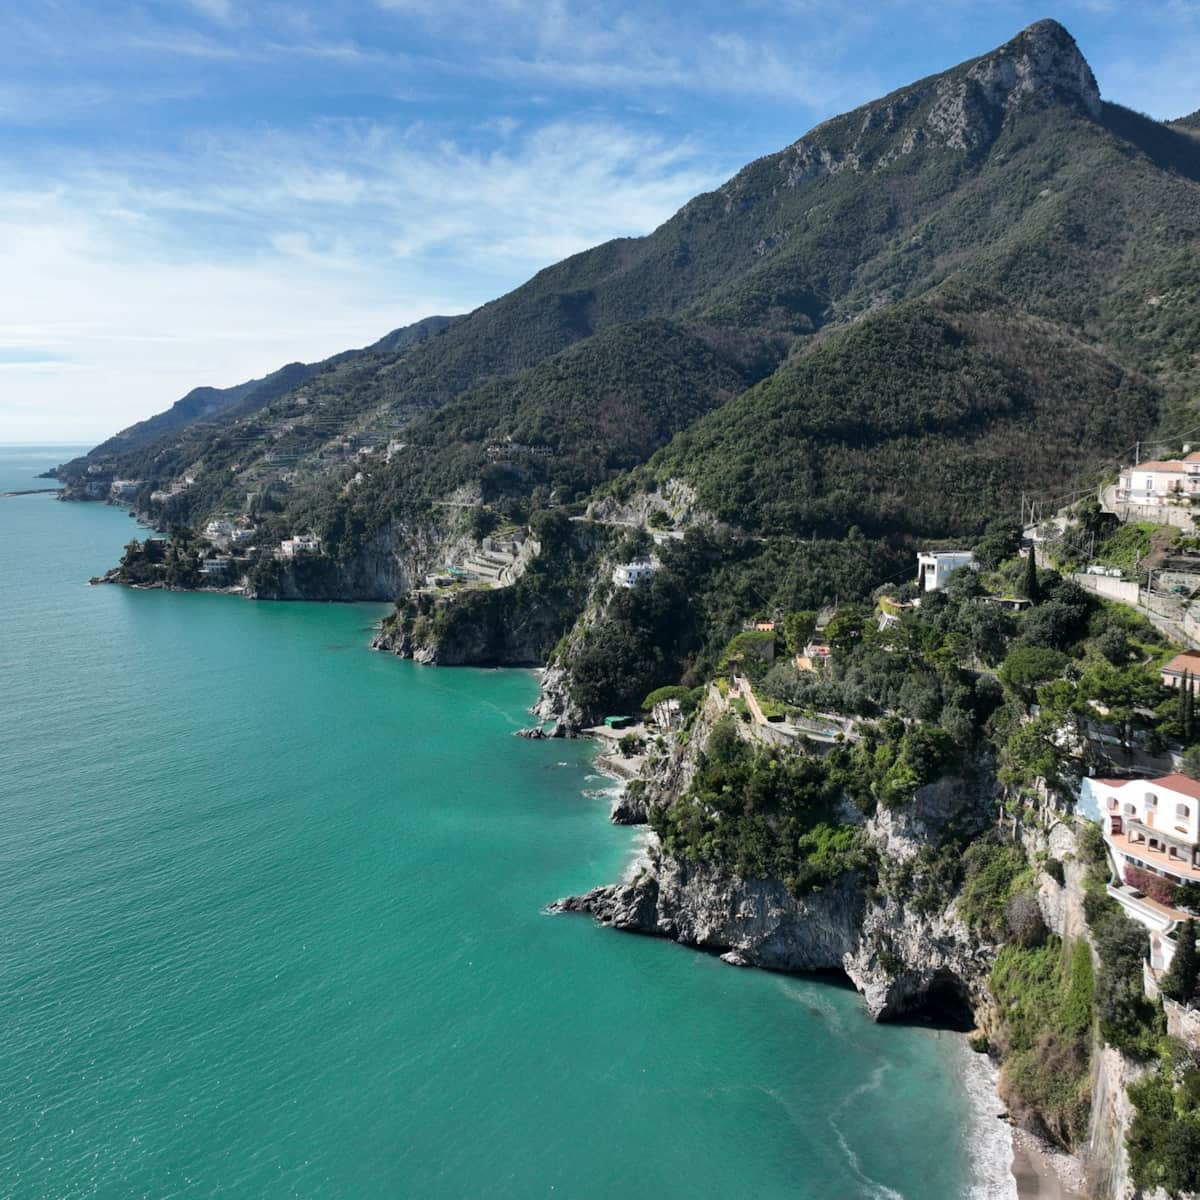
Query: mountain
x=209, y=403
x=985, y=283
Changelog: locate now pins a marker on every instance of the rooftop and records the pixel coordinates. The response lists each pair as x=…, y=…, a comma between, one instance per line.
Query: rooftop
x=1175, y=782
x=1167, y=464
x=1189, y=660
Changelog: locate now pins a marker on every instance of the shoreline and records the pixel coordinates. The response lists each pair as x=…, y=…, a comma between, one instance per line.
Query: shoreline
x=1043, y=1172
x=1007, y=1162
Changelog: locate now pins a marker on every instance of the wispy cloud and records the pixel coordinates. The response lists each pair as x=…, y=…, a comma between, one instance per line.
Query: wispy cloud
x=198, y=190
x=152, y=274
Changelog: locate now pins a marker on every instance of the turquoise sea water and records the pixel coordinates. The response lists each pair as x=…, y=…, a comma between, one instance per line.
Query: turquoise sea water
x=272, y=927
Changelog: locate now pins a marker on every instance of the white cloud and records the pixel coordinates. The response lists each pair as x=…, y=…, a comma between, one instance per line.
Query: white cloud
x=152, y=275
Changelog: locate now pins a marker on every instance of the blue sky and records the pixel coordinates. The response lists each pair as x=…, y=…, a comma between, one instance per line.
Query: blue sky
x=199, y=191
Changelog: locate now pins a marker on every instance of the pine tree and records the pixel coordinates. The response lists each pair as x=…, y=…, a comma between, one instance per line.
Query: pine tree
x=1031, y=588
x=1179, y=983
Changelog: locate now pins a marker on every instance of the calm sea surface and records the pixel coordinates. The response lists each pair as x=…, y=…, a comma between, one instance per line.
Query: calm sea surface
x=271, y=926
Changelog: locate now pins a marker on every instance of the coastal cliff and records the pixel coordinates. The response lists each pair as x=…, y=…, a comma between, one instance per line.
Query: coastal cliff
x=898, y=957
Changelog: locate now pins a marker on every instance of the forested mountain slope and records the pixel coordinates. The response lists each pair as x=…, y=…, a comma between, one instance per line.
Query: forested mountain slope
x=985, y=282
x=205, y=404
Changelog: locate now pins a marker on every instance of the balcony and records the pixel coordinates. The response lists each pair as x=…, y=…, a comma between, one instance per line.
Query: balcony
x=1131, y=839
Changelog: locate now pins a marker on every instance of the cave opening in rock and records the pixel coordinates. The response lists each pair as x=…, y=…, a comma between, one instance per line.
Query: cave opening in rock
x=945, y=1004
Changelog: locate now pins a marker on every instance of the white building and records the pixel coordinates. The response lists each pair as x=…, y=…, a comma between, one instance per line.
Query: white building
x=934, y=569
x=1160, y=482
x=633, y=574
x=1152, y=829
x=302, y=543
x=125, y=489
x=1153, y=824
x=220, y=528
x=217, y=565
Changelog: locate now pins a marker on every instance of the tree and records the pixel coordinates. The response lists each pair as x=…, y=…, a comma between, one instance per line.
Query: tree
x=1001, y=540
x=1179, y=983
x=1032, y=753
x=845, y=630
x=1191, y=762
x=1030, y=588
x=1027, y=666
x=798, y=628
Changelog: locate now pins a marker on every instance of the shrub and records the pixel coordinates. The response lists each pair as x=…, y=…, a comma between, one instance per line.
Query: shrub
x=1045, y=997
x=1024, y=920
x=995, y=873
x=685, y=696
x=1127, y=1018
x=1154, y=886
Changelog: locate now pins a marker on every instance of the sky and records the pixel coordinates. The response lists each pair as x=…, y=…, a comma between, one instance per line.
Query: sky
x=199, y=191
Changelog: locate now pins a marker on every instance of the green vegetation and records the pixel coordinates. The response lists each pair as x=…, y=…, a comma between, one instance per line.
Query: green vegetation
x=1045, y=994
x=688, y=697
x=1026, y=667
x=762, y=815
x=890, y=761
x=749, y=653
x=995, y=873
x=1164, y=1139
x=921, y=419
x=173, y=562
x=1180, y=982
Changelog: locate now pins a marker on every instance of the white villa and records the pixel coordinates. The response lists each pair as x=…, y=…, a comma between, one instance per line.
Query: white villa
x=302, y=543
x=1156, y=482
x=221, y=527
x=1152, y=830
x=934, y=569
x=1153, y=824
x=634, y=574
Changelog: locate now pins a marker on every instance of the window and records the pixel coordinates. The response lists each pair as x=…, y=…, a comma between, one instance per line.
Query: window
x=1151, y=800
x=1112, y=803
x=1130, y=810
x=1182, y=812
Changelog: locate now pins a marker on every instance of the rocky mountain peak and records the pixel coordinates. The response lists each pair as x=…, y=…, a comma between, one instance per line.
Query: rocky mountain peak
x=1041, y=61
x=1041, y=65
x=962, y=109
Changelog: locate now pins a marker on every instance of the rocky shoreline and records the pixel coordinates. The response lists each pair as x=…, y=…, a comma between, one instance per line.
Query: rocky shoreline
x=757, y=923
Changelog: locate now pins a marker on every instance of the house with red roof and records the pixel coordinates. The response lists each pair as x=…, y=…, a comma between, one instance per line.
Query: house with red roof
x=1152, y=830
x=1186, y=663
x=1164, y=481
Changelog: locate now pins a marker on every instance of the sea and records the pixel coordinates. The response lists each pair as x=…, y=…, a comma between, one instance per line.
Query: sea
x=272, y=925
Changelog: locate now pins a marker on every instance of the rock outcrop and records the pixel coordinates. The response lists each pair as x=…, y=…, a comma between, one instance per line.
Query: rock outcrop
x=897, y=957
x=961, y=110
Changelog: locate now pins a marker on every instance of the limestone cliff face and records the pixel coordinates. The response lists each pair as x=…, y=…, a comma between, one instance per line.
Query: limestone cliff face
x=896, y=956
x=554, y=702
x=386, y=567
x=484, y=636
x=516, y=624
x=673, y=498
x=961, y=110
x=1042, y=63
